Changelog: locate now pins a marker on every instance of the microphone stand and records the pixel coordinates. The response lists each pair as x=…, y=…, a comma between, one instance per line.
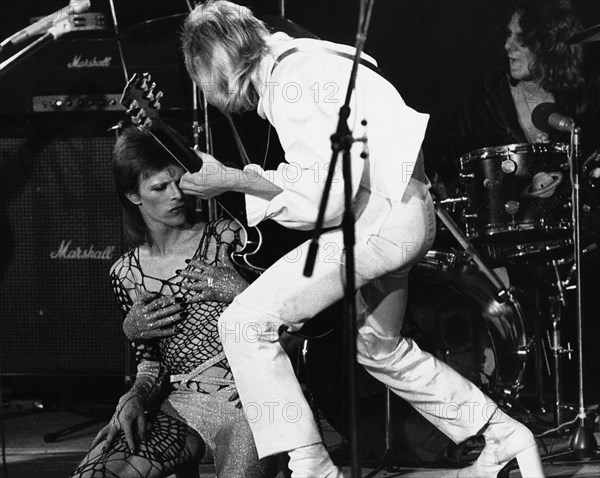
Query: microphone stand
x=583, y=443
x=57, y=30
x=341, y=142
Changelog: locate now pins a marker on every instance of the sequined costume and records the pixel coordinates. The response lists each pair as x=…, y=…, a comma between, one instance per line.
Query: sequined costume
x=199, y=400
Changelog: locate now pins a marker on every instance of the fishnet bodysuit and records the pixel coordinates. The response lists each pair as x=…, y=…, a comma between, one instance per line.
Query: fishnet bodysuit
x=198, y=340
x=168, y=443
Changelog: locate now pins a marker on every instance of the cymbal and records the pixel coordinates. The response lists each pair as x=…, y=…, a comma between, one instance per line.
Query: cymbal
x=588, y=35
x=154, y=27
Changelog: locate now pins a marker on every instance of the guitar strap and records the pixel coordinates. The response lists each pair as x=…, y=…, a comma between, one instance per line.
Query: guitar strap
x=363, y=61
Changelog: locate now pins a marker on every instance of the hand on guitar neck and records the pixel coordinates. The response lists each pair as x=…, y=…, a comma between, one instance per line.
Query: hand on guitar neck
x=207, y=177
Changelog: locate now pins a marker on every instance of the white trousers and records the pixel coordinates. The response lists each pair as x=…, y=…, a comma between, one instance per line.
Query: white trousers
x=390, y=238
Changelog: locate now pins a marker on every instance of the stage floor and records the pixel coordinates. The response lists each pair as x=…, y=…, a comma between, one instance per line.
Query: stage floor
x=29, y=456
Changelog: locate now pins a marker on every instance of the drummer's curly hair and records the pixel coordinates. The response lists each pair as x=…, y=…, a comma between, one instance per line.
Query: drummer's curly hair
x=546, y=25
x=220, y=36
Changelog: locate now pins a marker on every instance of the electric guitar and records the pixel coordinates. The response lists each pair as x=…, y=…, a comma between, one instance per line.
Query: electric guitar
x=143, y=104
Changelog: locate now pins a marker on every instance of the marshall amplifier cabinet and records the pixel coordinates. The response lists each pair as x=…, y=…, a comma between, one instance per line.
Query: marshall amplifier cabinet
x=60, y=231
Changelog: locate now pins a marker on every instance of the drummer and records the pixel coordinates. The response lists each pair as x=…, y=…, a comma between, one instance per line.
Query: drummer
x=540, y=68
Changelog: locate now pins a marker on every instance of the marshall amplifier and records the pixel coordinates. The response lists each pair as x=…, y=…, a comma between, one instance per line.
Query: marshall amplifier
x=60, y=231
x=83, y=74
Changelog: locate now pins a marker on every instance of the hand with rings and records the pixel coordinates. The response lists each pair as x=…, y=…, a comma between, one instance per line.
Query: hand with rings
x=153, y=315
x=218, y=283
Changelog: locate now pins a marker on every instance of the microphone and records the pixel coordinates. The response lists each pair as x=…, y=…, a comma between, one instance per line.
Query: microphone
x=47, y=22
x=546, y=117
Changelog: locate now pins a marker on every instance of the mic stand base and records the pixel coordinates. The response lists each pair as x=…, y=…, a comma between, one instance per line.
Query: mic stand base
x=582, y=447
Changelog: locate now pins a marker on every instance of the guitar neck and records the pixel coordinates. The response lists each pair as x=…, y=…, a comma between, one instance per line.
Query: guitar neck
x=173, y=143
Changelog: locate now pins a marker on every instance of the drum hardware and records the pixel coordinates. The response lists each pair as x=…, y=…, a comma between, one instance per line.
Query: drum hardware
x=553, y=336
x=498, y=252
x=508, y=166
x=512, y=207
x=558, y=351
x=570, y=281
x=453, y=201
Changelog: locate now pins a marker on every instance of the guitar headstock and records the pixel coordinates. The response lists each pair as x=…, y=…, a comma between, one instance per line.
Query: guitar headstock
x=140, y=100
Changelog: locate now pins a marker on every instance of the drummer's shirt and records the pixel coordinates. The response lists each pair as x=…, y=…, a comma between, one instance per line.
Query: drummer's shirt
x=301, y=97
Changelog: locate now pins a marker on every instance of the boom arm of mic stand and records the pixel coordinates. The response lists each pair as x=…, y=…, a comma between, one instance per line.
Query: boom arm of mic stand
x=11, y=62
x=52, y=34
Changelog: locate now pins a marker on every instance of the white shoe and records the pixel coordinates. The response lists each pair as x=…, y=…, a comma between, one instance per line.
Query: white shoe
x=506, y=439
x=312, y=461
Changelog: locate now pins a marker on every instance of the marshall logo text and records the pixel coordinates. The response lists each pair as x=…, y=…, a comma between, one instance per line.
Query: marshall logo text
x=80, y=62
x=65, y=251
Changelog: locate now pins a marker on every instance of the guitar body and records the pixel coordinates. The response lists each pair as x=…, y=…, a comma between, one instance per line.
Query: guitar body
x=266, y=243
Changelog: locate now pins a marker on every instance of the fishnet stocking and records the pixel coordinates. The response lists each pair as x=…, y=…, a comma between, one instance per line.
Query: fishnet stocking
x=169, y=444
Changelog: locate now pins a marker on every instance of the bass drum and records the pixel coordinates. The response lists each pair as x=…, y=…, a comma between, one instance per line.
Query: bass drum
x=453, y=314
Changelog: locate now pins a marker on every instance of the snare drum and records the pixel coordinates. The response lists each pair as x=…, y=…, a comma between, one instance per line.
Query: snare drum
x=518, y=193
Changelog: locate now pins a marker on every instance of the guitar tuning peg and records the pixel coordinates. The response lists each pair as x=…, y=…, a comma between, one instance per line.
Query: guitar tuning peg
x=133, y=106
x=147, y=123
x=139, y=118
x=147, y=78
x=157, y=99
x=150, y=93
x=130, y=110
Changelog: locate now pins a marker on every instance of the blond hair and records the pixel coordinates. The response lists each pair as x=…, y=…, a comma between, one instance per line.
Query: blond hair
x=227, y=42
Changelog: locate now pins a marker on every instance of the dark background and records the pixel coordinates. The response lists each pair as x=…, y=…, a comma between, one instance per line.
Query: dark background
x=431, y=50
